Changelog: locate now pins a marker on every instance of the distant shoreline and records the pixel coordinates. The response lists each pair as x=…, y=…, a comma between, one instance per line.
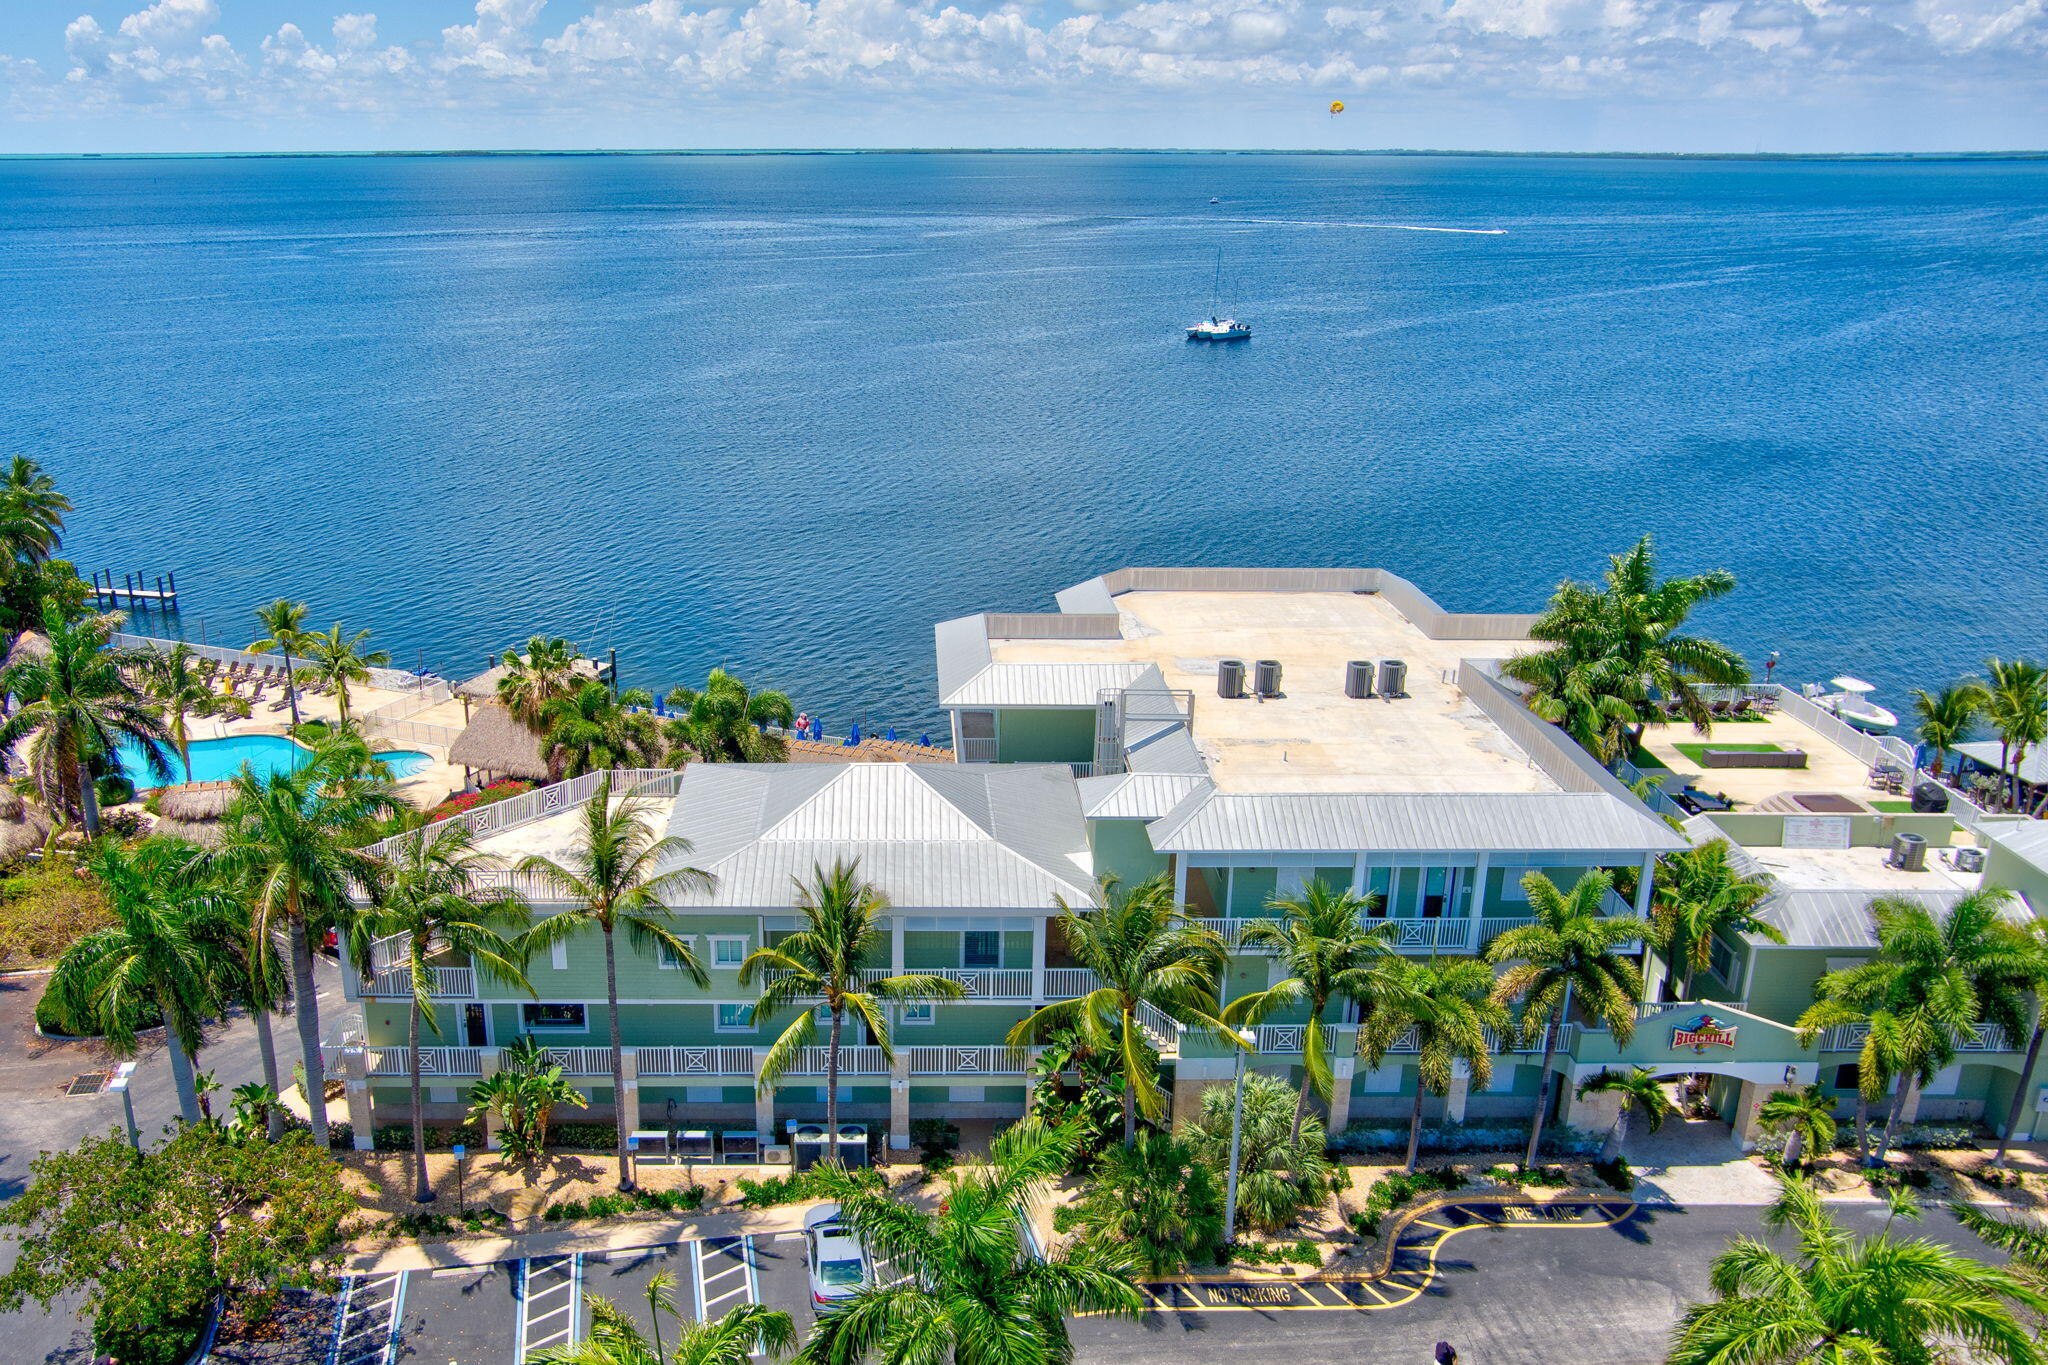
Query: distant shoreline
x=1890, y=158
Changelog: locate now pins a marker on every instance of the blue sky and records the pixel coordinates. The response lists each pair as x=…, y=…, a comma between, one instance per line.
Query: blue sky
x=1622, y=75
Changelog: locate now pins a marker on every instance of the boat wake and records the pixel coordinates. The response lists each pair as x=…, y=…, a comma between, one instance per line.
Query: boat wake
x=1388, y=227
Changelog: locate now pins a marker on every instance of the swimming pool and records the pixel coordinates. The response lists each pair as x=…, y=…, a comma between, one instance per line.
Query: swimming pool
x=216, y=760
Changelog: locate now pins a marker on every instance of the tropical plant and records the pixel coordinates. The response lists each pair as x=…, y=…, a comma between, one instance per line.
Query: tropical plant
x=1448, y=1004
x=726, y=723
x=971, y=1290
x=1329, y=953
x=1617, y=649
x=822, y=965
x=1805, y=1116
x=288, y=849
x=523, y=1095
x=1149, y=956
x=1095, y=1109
x=1946, y=718
x=1841, y=1002
x=614, y=876
x=1567, y=951
x=2034, y=965
x=339, y=660
x=1638, y=1088
x=423, y=893
x=284, y=629
x=164, y=951
x=735, y=1337
x=2023, y=1238
x=171, y=678
x=2014, y=700
x=588, y=729
x=1280, y=1170
x=74, y=706
x=31, y=513
x=546, y=670
x=1155, y=1200
x=1699, y=895
x=1841, y=1298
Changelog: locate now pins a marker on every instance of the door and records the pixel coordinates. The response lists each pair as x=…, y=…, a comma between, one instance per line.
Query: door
x=476, y=1026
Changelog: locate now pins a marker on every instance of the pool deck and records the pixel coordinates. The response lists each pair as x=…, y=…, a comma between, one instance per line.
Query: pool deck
x=1828, y=768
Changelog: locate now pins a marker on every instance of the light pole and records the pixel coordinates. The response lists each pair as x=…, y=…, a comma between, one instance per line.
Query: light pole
x=1250, y=1041
x=120, y=1085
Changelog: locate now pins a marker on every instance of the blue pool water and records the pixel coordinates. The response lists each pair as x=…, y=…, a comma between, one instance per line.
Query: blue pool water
x=784, y=413
x=216, y=760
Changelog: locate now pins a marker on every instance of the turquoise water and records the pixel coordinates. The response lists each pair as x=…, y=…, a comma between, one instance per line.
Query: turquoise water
x=782, y=414
x=216, y=760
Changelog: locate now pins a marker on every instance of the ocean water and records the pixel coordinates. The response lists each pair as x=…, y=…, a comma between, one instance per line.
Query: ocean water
x=783, y=413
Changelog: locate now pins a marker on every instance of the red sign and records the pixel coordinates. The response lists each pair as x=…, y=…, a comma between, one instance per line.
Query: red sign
x=1703, y=1032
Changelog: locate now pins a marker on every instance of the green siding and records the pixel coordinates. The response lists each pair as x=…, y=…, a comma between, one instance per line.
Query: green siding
x=1250, y=889
x=1124, y=850
x=1781, y=986
x=1048, y=736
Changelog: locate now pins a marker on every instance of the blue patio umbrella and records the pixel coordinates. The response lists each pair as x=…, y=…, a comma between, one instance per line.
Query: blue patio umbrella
x=853, y=734
x=924, y=741
x=891, y=736
x=817, y=731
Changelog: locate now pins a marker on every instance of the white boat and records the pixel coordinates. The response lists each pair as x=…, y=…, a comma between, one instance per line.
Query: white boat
x=1851, y=702
x=1217, y=327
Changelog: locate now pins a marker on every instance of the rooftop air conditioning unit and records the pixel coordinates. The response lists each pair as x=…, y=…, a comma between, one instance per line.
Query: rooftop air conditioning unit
x=1358, y=678
x=1393, y=678
x=810, y=1145
x=1230, y=678
x=1969, y=860
x=1909, y=853
x=1266, y=677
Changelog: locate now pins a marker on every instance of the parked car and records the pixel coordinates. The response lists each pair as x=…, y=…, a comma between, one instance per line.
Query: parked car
x=838, y=1266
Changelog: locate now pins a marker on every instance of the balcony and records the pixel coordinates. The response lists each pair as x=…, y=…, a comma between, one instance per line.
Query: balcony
x=449, y=983
x=1983, y=1038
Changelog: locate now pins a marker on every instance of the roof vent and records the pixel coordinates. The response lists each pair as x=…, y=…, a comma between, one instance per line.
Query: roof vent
x=1358, y=678
x=1393, y=678
x=1266, y=677
x=1230, y=678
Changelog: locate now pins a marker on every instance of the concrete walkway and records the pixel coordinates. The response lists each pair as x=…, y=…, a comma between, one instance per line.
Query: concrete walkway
x=1695, y=1161
x=561, y=1239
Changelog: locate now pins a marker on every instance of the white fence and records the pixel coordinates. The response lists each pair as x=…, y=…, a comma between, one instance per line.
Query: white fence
x=969, y=1061
x=1432, y=933
x=461, y=1062
x=1064, y=983
x=528, y=807
x=384, y=679
x=452, y=982
x=1983, y=1038
x=696, y=1061
x=861, y=1060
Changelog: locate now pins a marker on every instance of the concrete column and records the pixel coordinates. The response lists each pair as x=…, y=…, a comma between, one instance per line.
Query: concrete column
x=1474, y=941
x=1594, y=1113
x=1342, y=1069
x=627, y=1101
x=1460, y=1091
x=362, y=1118
x=1030, y=1087
x=1038, y=960
x=493, y=1126
x=899, y=1102
x=764, y=1102
x=896, y=945
x=1644, y=883
x=1749, y=1098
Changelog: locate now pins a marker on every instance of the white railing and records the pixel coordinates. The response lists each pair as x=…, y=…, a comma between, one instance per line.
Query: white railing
x=384, y=679
x=434, y=693
x=969, y=1061
x=854, y=1060
x=1983, y=1038
x=986, y=983
x=1160, y=1027
x=1431, y=933
x=1494, y=925
x=434, y=1061
x=540, y=804
x=696, y=1061
x=1870, y=749
x=1064, y=983
x=447, y=981
x=1655, y=799
x=581, y=1061
x=1232, y=931
x=1285, y=1038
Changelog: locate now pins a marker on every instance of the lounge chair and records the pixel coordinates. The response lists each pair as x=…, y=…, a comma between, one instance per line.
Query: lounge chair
x=257, y=695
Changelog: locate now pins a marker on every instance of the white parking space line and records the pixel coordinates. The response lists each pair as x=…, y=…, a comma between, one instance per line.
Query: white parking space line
x=366, y=1326
x=551, y=1287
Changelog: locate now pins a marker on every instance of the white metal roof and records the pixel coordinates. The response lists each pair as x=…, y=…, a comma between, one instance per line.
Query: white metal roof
x=1137, y=796
x=938, y=836
x=1021, y=684
x=2033, y=769
x=1562, y=822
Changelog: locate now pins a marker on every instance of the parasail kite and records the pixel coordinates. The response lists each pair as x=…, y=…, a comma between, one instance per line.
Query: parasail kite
x=1336, y=108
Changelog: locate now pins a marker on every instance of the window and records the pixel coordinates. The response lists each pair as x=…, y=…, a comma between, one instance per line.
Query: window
x=558, y=955
x=1848, y=1076
x=560, y=1018
x=704, y=1094
x=1379, y=884
x=917, y=1012
x=735, y=1018
x=728, y=951
x=669, y=961
x=977, y=736
x=966, y=1094
x=981, y=948
x=1721, y=959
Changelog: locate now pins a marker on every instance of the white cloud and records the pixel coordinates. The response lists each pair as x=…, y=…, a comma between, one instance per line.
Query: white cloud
x=666, y=54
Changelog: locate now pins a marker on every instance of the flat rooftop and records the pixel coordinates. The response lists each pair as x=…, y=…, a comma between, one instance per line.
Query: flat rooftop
x=1863, y=870
x=1312, y=738
x=1830, y=770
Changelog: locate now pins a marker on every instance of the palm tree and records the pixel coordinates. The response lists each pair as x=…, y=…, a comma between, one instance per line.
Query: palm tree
x=1448, y=1005
x=725, y=722
x=2035, y=958
x=288, y=848
x=162, y=955
x=2022, y=1238
x=75, y=705
x=1148, y=955
x=1841, y=1298
x=1617, y=649
x=173, y=681
x=546, y=670
x=1842, y=1001
x=31, y=513
x=339, y=660
x=614, y=876
x=1329, y=954
x=2014, y=700
x=424, y=895
x=1807, y=1118
x=284, y=630
x=1279, y=1175
x=588, y=729
x=733, y=1338
x=1568, y=951
x=1699, y=895
x=825, y=961
x=1946, y=718
x=972, y=1292
x=1638, y=1088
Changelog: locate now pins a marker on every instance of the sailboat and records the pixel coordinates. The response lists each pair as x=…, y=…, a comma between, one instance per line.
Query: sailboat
x=1217, y=327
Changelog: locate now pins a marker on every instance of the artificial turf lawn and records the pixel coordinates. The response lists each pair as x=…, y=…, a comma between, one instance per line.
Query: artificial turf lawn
x=1694, y=751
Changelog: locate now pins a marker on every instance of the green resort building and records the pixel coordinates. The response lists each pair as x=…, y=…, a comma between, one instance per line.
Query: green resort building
x=1244, y=732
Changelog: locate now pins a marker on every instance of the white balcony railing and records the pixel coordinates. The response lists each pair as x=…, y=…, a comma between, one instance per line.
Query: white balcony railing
x=1065, y=983
x=448, y=982
x=696, y=1061
x=1983, y=1038
x=1494, y=925
x=1431, y=934
x=856, y=1060
x=1232, y=931
x=434, y=1061
x=986, y=983
x=969, y=1061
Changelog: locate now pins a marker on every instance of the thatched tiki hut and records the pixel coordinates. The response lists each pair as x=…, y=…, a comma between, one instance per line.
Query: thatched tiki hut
x=22, y=826
x=496, y=744
x=195, y=811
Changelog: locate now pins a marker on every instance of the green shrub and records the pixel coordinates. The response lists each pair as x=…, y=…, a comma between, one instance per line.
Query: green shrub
x=164, y=1343
x=686, y=1200
x=1542, y=1177
x=113, y=790
x=819, y=1182
x=1391, y=1191
x=397, y=1137
x=599, y=1137
x=1616, y=1173
x=1996, y=1179
x=1302, y=1252
x=1892, y=1177
x=1559, y=1139
x=481, y=1219
x=44, y=909
x=51, y=1018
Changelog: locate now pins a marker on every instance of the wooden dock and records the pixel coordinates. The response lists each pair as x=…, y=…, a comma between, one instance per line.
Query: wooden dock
x=134, y=590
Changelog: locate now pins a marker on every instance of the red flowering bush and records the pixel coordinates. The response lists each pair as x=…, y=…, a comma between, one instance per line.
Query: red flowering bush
x=467, y=801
